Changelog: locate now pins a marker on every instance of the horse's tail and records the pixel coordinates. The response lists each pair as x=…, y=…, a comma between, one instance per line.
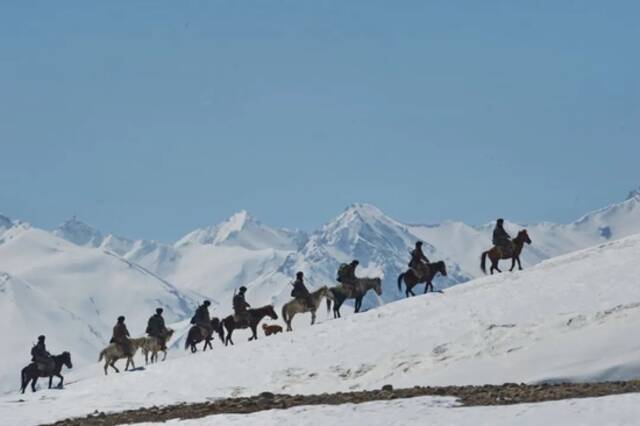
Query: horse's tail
x=220, y=331
x=23, y=378
x=400, y=277
x=187, y=341
x=102, y=355
x=483, y=261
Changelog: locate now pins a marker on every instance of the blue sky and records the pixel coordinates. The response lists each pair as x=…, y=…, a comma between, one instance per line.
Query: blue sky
x=152, y=118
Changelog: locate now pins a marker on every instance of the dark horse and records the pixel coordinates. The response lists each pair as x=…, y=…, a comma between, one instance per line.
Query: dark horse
x=341, y=293
x=411, y=279
x=31, y=373
x=496, y=253
x=255, y=316
x=195, y=336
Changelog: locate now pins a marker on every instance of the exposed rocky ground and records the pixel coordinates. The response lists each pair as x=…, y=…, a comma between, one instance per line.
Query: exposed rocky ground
x=509, y=393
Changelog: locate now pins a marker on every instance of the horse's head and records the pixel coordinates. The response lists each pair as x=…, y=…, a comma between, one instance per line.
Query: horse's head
x=524, y=236
x=271, y=312
x=377, y=287
x=66, y=359
x=441, y=267
x=169, y=333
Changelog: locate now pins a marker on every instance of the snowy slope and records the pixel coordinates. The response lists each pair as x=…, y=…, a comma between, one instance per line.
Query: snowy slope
x=73, y=294
x=568, y=318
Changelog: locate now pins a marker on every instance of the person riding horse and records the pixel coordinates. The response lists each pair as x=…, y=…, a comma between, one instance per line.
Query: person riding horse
x=347, y=274
x=300, y=291
x=419, y=262
x=121, y=337
x=501, y=238
x=202, y=318
x=156, y=328
x=41, y=356
x=240, y=307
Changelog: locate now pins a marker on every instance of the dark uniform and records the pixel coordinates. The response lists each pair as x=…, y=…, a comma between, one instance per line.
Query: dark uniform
x=501, y=238
x=202, y=318
x=240, y=307
x=301, y=292
x=41, y=356
x=419, y=261
x=348, y=274
x=156, y=328
x=121, y=337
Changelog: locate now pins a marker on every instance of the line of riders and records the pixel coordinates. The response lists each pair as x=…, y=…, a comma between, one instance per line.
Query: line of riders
x=156, y=327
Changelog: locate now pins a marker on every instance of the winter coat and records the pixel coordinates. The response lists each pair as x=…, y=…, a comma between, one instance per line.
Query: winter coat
x=202, y=315
x=239, y=303
x=120, y=333
x=299, y=289
x=417, y=257
x=155, y=326
x=500, y=236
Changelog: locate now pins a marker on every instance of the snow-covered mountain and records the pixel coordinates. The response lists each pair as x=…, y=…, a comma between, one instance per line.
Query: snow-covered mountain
x=567, y=319
x=215, y=260
x=73, y=294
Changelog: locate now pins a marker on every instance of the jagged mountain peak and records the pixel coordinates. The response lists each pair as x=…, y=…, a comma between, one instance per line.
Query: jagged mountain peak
x=243, y=230
x=78, y=232
x=634, y=194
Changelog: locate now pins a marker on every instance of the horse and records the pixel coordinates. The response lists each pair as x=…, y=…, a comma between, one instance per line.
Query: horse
x=360, y=288
x=152, y=346
x=296, y=306
x=194, y=336
x=496, y=253
x=411, y=279
x=31, y=373
x=113, y=352
x=255, y=316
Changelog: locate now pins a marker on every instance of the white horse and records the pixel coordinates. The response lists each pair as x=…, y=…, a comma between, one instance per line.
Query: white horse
x=297, y=306
x=113, y=352
x=151, y=345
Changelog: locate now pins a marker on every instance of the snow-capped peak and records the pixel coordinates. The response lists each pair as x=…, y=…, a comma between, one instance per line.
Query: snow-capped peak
x=79, y=233
x=634, y=194
x=242, y=230
x=5, y=222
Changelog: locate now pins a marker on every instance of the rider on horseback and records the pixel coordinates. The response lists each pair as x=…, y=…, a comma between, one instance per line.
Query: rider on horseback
x=419, y=262
x=202, y=318
x=501, y=238
x=240, y=307
x=121, y=337
x=156, y=328
x=41, y=356
x=347, y=274
x=300, y=291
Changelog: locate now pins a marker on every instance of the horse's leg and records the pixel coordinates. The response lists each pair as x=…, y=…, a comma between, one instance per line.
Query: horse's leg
x=519, y=264
x=513, y=263
x=33, y=383
x=164, y=357
x=50, y=380
x=357, y=306
x=61, y=380
x=313, y=317
x=254, y=330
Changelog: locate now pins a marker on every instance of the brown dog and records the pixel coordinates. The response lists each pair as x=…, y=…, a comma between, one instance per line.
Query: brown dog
x=271, y=329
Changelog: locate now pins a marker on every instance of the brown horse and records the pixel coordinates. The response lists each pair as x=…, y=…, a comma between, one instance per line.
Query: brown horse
x=195, y=336
x=255, y=316
x=496, y=253
x=411, y=279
